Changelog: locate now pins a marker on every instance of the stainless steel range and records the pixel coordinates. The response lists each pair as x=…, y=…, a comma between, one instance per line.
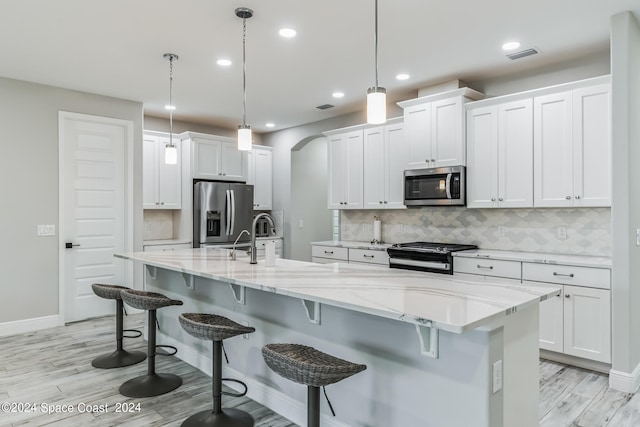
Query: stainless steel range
x=425, y=256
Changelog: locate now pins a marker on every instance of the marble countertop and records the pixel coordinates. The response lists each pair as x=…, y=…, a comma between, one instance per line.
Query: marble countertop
x=542, y=258
x=354, y=245
x=445, y=302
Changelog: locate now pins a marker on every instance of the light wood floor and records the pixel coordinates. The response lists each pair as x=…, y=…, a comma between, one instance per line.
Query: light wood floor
x=54, y=367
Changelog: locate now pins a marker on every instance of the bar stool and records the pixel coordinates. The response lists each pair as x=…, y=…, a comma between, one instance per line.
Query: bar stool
x=151, y=384
x=311, y=367
x=216, y=328
x=120, y=357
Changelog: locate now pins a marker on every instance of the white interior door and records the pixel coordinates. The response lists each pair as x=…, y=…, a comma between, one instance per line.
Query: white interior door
x=93, y=214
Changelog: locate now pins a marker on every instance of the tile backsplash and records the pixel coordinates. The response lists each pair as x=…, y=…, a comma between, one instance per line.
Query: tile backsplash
x=158, y=224
x=578, y=231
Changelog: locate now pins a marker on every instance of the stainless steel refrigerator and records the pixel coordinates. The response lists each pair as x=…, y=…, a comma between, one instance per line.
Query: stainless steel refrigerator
x=220, y=212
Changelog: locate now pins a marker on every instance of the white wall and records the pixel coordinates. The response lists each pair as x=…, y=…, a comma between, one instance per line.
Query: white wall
x=625, y=69
x=29, y=188
x=161, y=124
x=309, y=169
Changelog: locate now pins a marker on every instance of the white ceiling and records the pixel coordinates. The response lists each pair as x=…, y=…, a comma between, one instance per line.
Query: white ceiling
x=116, y=47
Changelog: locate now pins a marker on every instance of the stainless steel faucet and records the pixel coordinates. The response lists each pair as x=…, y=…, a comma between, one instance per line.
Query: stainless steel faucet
x=233, y=249
x=253, y=251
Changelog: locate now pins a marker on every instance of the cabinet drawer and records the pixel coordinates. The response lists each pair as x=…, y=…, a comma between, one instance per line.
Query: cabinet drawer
x=331, y=252
x=261, y=244
x=487, y=267
x=368, y=256
x=170, y=247
x=567, y=275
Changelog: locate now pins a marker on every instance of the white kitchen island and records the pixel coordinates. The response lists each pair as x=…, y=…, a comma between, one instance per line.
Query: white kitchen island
x=439, y=351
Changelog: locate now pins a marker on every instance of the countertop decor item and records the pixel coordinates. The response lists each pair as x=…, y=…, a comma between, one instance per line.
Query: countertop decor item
x=377, y=230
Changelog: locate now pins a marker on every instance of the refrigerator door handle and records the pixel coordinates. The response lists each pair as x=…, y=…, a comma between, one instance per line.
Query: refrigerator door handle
x=233, y=211
x=227, y=225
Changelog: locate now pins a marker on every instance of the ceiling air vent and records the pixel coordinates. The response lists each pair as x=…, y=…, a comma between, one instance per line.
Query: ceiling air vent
x=324, y=106
x=522, y=53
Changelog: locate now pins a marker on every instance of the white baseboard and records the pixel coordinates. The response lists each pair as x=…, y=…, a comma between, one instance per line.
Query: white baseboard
x=624, y=381
x=28, y=325
x=293, y=410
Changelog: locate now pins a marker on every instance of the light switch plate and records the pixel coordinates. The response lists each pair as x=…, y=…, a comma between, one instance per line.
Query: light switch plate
x=46, y=230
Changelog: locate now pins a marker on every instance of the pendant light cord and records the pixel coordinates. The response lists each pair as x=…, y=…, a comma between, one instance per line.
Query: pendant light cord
x=244, y=71
x=375, y=41
x=171, y=100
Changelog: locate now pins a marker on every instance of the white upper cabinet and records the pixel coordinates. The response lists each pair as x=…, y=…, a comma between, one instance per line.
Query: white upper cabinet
x=572, y=148
x=592, y=146
x=161, y=183
x=345, y=170
x=218, y=158
x=500, y=155
x=434, y=128
x=385, y=159
x=260, y=175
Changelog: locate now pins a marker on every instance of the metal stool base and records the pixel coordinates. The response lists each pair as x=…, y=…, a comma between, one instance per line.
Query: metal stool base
x=150, y=385
x=229, y=417
x=118, y=359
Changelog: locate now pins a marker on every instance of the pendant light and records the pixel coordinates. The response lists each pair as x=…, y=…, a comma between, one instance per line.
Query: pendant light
x=244, y=130
x=376, y=95
x=170, y=150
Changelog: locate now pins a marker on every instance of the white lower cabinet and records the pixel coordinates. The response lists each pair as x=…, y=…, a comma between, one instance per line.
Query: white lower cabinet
x=166, y=247
x=578, y=322
x=328, y=254
x=261, y=244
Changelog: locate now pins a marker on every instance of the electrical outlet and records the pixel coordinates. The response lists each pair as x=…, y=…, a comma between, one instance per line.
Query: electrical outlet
x=245, y=323
x=561, y=232
x=300, y=223
x=46, y=230
x=497, y=376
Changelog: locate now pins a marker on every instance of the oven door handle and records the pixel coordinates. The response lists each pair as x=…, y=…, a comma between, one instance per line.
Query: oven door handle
x=448, y=185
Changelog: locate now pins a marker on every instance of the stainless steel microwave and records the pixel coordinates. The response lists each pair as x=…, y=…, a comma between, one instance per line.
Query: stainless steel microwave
x=435, y=186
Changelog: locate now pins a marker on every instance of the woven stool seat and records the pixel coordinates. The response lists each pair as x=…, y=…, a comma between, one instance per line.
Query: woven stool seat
x=120, y=357
x=107, y=291
x=151, y=384
x=211, y=326
x=306, y=365
x=145, y=300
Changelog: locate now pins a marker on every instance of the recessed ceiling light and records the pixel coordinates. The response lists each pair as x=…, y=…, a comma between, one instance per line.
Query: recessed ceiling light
x=169, y=107
x=223, y=62
x=510, y=45
x=287, y=32
x=270, y=125
x=338, y=94
x=402, y=76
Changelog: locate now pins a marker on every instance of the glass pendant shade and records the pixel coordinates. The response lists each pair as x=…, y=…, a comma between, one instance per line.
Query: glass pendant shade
x=170, y=154
x=376, y=105
x=244, y=138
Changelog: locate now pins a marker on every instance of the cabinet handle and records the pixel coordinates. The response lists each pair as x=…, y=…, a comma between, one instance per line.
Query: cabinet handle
x=380, y=202
x=162, y=203
x=568, y=197
x=501, y=199
x=578, y=197
x=427, y=161
x=386, y=202
x=433, y=160
x=493, y=199
x=567, y=295
x=490, y=267
x=563, y=275
x=328, y=252
x=368, y=256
